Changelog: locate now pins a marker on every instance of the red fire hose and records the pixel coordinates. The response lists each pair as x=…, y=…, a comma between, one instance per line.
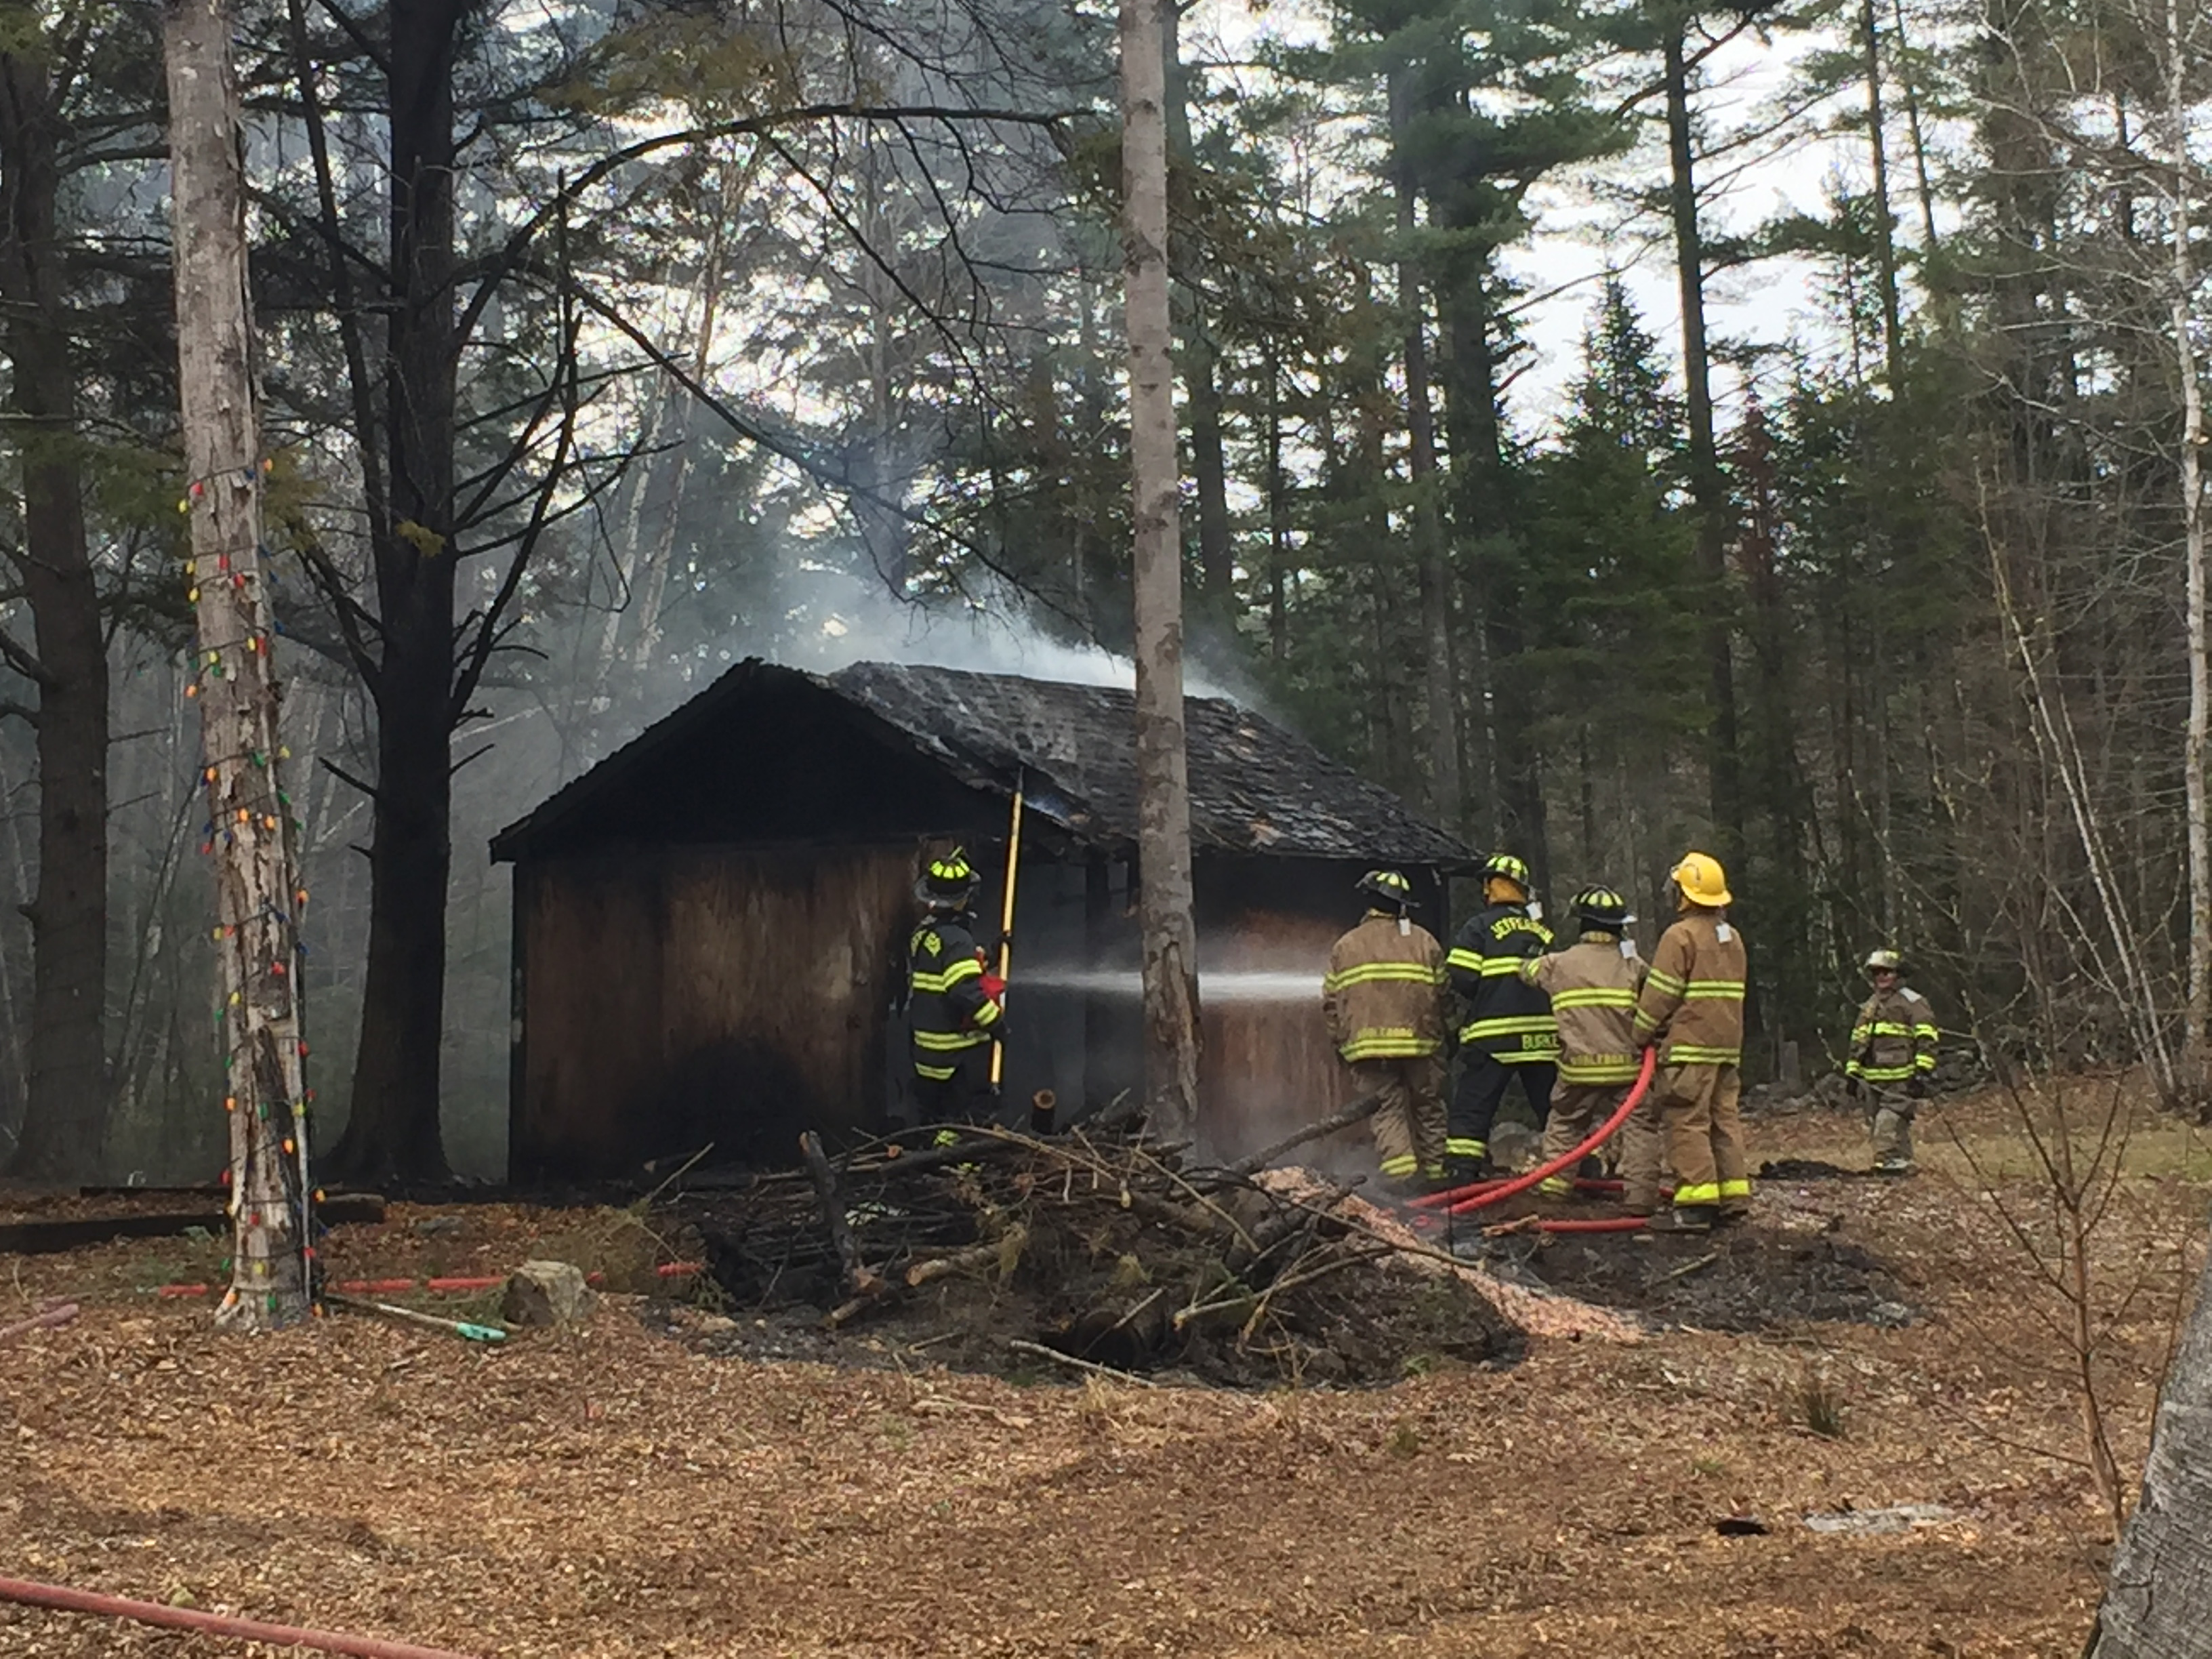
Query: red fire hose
x=1482, y=1194
x=65, y=1600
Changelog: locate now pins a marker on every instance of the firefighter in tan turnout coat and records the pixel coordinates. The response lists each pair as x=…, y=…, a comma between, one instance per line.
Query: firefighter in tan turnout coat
x=1593, y=986
x=1383, y=1001
x=1692, y=1008
x=1892, y=1055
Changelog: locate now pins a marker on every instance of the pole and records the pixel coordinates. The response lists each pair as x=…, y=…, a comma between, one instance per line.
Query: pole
x=1006, y=926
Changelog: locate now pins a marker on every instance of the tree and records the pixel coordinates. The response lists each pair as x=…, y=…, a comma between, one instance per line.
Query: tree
x=67, y=1109
x=1170, y=939
x=257, y=881
x=2161, y=1578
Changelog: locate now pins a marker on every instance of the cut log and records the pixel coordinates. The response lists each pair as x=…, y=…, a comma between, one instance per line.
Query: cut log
x=50, y=1236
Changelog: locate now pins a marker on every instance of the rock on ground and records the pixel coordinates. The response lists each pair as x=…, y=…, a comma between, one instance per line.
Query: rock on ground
x=542, y=1293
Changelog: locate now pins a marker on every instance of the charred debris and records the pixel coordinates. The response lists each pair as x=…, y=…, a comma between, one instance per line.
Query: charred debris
x=1097, y=1251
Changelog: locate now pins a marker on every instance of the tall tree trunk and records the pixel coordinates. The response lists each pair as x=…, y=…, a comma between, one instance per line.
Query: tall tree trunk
x=1278, y=521
x=1478, y=442
x=1201, y=370
x=1435, y=569
x=1170, y=939
x=1706, y=485
x=1906, y=78
x=2161, y=1579
x=254, y=844
x=66, y=1112
x=1885, y=222
x=2196, y=1038
x=394, y=1127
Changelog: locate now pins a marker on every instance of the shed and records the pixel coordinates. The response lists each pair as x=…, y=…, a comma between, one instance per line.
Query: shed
x=710, y=926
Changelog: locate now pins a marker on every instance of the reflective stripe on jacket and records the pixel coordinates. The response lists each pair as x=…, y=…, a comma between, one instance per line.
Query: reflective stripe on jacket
x=1693, y=999
x=1893, y=1040
x=1593, y=990
x=1507, y=1018
x=947, y=1013
x=1382, y=997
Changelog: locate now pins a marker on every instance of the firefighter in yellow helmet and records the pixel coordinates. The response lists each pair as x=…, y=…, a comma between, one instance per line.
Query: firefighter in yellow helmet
x=1382, y=998
x=1892, y=1054
x=1692, y=1006
x=953, y=1007
x=1593, y=985
x=1508, y=1032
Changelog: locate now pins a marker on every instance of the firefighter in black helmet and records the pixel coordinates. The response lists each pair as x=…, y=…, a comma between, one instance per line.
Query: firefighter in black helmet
x=953, y=1005
x=1509, y=1032
x=1383, y=1000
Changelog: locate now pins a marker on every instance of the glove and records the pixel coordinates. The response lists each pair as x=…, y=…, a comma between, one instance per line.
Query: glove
x=1917, y=1090
x=994, y=988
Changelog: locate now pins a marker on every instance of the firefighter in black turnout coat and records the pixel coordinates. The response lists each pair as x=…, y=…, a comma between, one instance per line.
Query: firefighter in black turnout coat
x=953, y=1005
x=1509, y=1032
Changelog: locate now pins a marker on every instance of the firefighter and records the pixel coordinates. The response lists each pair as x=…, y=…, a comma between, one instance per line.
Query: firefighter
x=1382, y=998
x=1509, y=1031
x=953, y=1005
x=1892, y=1054
x=1592, y=986
x=1691, y=1005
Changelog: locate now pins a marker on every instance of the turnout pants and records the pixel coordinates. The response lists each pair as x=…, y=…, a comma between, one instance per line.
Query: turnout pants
x=1409, y=1125
x=1577, y=1108
x=1889, y=1126
x=1643, y=1145
x=963, y=1097
x=1697, y=1106
x=1482, y=1081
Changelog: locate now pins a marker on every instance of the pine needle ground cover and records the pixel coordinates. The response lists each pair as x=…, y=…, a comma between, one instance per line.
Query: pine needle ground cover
x=637, y=1487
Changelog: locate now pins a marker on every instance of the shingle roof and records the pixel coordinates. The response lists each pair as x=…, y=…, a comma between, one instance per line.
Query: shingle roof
x=1255, y=787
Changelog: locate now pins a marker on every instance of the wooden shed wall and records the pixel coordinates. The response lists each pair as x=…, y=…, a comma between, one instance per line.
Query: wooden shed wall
x=674, y=995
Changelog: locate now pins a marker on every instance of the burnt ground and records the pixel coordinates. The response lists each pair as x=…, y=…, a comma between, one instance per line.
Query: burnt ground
x=615, y=1492
x=1801, y=1264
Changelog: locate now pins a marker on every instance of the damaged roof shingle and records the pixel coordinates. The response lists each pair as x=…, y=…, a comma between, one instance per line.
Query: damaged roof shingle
x=1255, y=787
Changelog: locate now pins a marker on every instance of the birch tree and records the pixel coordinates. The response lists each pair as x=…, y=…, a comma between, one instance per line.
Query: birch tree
x=1171, y=945
x=250, y=826
x=2180, y=40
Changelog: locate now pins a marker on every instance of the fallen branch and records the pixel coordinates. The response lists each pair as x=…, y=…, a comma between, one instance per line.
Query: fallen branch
x=861, y=1282
x=1289, y=1283
x=1090, y=1365
x=1358, y=1112
x=1688, y=1267
x=988, y=1254
x=43, y=1320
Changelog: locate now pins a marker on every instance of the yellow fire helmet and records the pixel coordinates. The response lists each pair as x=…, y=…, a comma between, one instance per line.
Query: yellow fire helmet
x=1702, y=880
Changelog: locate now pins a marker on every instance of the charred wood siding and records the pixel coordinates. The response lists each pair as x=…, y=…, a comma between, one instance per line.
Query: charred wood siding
x=675, y=995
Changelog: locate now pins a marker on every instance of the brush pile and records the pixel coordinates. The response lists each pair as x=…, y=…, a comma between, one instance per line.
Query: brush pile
x=1111, y=1252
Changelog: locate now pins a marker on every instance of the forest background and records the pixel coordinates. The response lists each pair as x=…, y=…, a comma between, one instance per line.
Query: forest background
x=1854, y=531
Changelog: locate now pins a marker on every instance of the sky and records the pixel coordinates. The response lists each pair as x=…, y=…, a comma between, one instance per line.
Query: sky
x=1580, y=237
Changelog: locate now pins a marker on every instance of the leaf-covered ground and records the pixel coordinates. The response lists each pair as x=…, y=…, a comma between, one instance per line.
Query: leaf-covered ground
x=624, y=1491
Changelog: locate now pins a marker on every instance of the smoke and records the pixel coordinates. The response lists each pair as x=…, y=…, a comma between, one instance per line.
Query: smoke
x=831, y=619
